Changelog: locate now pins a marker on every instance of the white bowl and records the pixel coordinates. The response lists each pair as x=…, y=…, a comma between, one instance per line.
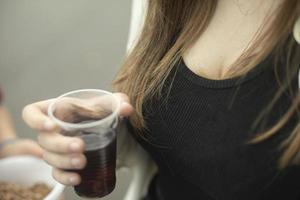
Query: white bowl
x=28, y=170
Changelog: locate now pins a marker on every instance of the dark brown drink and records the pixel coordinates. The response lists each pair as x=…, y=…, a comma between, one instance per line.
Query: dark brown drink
x=98, y=178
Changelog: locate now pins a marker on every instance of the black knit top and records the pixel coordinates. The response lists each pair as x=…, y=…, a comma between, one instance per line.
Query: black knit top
x=198, y=135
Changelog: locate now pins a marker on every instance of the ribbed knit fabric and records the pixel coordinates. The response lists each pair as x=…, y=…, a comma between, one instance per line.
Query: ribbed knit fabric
x=198, y=133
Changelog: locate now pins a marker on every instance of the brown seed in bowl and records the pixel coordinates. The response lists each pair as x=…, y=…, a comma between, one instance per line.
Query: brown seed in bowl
x=11, y=191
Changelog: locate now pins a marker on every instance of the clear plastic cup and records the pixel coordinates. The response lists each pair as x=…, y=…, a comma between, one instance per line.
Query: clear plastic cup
x=93, y=116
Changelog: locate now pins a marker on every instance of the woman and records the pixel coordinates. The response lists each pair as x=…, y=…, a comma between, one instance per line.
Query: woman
x=211, y=93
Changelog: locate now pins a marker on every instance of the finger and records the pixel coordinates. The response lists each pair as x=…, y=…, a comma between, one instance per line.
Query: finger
x=28, y=147
x=55, y=142
x=65, y=161
x=94, y=108
x=123, y=97
x=74, y=110
x=66, y=178
x=36, y=118
x=126, y=108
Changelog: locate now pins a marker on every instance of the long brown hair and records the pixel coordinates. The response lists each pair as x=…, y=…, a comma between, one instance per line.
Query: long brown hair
x=172, y=26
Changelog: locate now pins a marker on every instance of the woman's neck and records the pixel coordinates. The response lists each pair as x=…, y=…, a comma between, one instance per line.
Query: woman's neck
x=231, y=30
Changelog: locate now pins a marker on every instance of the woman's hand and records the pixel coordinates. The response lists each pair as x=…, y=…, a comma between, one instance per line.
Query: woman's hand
x=21, y=147
x=62, y=152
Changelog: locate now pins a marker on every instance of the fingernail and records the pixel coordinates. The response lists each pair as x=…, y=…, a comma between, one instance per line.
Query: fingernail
x=75, y=162
x=73, y=180
x=74, y=146
x=48, y=125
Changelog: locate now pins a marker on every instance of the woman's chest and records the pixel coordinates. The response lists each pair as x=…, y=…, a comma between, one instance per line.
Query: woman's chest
x=202, y=134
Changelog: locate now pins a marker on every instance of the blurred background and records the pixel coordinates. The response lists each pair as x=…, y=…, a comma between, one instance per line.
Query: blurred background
x=49, y=47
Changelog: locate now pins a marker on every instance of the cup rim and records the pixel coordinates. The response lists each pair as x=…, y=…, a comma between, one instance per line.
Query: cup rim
x=68, y=125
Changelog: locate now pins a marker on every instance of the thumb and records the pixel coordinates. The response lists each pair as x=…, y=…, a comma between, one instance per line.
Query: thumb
x=126, y=108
